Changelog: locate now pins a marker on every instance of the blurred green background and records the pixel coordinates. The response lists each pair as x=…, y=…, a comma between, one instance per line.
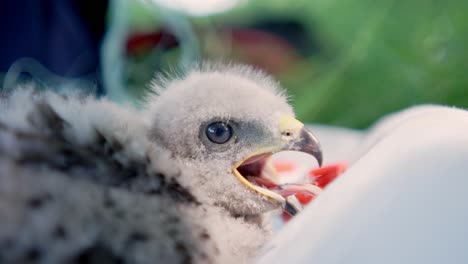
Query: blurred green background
x=373, y=57
x=344, y=62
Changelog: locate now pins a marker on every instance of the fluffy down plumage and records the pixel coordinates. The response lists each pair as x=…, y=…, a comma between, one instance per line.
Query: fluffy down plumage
x=84, y=180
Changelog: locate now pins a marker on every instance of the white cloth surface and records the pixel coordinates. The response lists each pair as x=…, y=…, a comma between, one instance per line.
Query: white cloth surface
x=404, y=198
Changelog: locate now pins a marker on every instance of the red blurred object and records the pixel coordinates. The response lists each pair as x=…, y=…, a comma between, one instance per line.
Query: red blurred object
x=304, y=197
x=320, y=177
x=323, y=176
x=266, y=50
x=142, y=42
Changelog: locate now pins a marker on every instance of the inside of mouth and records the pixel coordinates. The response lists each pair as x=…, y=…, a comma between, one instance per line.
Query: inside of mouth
x=263, y=173
x=251, y=168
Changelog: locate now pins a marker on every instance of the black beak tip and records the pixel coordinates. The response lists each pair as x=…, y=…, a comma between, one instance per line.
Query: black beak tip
x=311, y=145
x=318, y=155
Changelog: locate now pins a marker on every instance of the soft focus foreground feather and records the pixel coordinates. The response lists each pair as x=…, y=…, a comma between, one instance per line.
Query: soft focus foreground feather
x=403, y=199
x=81, y=182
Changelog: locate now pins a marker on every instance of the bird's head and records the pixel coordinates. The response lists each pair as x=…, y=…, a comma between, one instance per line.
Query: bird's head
x=223, y=122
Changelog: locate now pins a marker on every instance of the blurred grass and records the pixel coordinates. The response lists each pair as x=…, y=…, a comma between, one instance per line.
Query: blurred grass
x=379, y=57
x=386, y=55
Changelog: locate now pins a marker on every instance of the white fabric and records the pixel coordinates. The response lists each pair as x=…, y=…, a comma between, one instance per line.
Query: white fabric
x=404, y=198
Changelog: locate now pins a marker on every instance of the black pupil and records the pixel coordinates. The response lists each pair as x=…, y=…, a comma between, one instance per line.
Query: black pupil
x=219, y=132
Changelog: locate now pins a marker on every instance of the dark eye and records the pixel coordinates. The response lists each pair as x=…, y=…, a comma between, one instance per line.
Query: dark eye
x=219, y=132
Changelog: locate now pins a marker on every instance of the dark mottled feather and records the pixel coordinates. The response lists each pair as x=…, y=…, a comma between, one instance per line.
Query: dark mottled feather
x=49, y=147
x=54, y=212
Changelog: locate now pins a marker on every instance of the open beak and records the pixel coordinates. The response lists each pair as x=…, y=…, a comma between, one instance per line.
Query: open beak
x=294, y=137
